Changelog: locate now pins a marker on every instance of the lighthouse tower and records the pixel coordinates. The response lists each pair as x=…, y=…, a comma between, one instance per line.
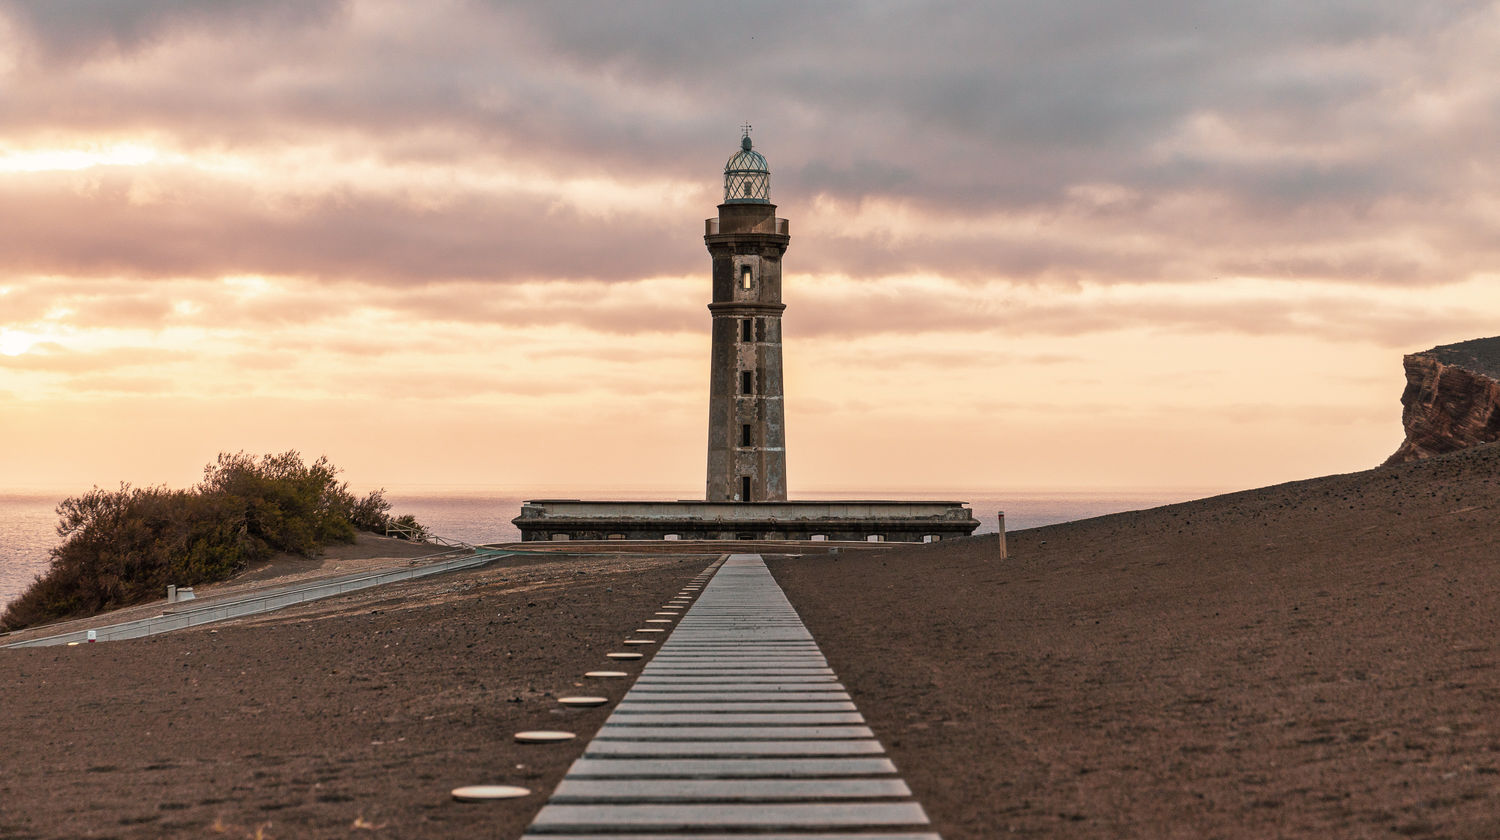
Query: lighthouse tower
x=746, y=494
x=746, y=415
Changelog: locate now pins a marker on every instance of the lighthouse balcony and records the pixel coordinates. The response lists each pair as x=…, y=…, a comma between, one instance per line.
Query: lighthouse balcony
x=769, y=224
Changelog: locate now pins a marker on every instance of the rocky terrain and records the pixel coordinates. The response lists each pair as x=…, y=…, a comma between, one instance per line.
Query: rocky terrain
x=1452, y=399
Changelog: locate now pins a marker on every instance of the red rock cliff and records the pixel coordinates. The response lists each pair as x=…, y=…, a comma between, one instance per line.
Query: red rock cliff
x=1452, y=399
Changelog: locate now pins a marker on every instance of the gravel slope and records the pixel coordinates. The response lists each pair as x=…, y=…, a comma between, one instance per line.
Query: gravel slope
x=1318, y=659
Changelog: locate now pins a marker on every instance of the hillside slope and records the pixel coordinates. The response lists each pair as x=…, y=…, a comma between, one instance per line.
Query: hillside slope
x=1314, y=659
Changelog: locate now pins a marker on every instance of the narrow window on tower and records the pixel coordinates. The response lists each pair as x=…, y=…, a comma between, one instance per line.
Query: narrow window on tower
x=744, y=488
x=747, y=329
x=744, y=276
x=744, y=434
x=747, y=382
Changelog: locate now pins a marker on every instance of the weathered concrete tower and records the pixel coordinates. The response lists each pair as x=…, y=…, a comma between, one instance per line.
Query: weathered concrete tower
x=746, y=415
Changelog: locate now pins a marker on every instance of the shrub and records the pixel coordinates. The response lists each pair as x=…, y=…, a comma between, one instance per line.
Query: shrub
x=123, y=547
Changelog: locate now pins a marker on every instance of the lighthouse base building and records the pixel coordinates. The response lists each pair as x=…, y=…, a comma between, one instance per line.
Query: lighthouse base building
x=745, y=497
x=857, y=521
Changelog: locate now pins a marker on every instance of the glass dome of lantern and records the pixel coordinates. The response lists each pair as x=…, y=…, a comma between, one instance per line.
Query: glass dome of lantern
x=747, y=178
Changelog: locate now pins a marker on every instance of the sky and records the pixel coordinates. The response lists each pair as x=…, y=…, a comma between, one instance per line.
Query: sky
x=1067, y=245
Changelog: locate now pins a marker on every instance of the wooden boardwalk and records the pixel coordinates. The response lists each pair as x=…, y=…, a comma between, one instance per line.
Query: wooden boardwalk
x=737, y=728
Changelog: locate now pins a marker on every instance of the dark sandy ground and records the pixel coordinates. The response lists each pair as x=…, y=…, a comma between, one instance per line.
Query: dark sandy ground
x=349, y=717
x=1318, y=659
x=1311, y=660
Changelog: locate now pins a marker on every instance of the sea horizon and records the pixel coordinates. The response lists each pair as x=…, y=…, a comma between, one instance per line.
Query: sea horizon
x=480, y=513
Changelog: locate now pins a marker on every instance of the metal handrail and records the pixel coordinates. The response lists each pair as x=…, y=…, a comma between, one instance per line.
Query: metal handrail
x=711, y=227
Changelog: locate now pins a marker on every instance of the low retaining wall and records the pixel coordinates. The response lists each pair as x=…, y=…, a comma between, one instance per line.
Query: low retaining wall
x=860, y=521
x=259, y=602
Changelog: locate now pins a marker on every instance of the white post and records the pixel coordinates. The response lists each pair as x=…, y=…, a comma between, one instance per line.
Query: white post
x=171, y=593
x=93, y=635
x=1003, y=553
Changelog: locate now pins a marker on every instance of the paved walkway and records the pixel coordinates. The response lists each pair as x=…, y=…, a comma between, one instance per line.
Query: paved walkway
x=193, y=613
x=736, y=725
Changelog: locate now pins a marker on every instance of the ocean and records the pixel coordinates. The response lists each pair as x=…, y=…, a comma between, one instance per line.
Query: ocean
x=28, y=520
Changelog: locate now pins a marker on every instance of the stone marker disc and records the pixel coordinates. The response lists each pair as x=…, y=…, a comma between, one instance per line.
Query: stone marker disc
x=624, y=655
x=606, y=674
x=648, y=630
x=583, y=702
x=658, y=621
x=640, y=641
x=543, y=736
x=484, y=793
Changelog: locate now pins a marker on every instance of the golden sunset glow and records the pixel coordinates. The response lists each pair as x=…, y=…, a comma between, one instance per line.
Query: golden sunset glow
x=462, y=244
x=15, y=342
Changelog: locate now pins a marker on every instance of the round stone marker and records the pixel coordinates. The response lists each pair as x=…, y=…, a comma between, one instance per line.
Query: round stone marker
x=640, y=641
x=624, y=655
x=607, y=674
x=543, y=736
x=583, y=702
x=484, y=793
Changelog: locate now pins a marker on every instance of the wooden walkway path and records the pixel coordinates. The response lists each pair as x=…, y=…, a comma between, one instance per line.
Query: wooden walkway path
x=736, y=729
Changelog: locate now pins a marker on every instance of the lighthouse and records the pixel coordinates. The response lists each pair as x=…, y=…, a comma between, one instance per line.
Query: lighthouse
x=746, y=405
x=746, y=492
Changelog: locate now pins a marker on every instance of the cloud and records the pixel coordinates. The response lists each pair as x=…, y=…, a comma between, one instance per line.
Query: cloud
x=203, y=226
x=65, y=31
x=52, y=357
x=1342, y=139
x=977, y=105
x=498, y=204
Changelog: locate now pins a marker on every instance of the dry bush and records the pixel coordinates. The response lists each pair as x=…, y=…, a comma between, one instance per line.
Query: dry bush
x=124, y=546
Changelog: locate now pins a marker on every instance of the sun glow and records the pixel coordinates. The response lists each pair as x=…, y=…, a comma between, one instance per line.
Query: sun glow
x=45, y=160
x=15, y=342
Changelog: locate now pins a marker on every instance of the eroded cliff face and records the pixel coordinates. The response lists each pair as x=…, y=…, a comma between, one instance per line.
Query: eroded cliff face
x=1452, y=399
